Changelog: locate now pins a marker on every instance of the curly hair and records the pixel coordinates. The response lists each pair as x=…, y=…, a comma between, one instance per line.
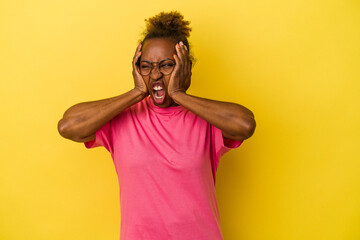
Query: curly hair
x=169, y=25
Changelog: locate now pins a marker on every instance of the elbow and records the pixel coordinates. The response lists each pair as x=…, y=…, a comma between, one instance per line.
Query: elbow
x=70, y=130
x=246, y=129
x=250, y=128
x=62, y=128
x=66, y=129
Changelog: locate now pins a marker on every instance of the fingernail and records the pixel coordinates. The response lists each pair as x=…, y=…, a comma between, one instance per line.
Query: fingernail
x=181, y=43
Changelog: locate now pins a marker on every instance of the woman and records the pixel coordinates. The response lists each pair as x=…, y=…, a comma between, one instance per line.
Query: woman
x=165, y=143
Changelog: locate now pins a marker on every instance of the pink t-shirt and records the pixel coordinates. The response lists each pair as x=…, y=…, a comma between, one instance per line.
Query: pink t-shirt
x=166, y=160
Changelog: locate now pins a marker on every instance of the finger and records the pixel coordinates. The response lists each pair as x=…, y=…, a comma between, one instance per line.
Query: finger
x=136, y=57
x=188, y=82
x=179, y=69
x=135, y=61
x=183, y=48
x=189, y=71
x=184, y=55
x=138, y=47
x=137, y=50
x=179, y=53
x=187, y=57
x=188, y=68
x=177, y=61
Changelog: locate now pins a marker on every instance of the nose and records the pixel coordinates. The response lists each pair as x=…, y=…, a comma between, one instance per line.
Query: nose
x=155, y=73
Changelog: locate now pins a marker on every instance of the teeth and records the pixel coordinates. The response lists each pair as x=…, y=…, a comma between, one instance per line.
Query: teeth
x=157, y=88
x=157, y=97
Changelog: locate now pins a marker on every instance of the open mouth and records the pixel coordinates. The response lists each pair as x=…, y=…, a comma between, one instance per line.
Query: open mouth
x=158, y=90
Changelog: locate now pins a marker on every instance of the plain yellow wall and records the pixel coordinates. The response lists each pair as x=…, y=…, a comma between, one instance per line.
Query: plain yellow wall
x=295, y=64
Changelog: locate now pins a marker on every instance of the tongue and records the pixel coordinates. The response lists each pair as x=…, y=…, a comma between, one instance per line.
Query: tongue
x=160, y=93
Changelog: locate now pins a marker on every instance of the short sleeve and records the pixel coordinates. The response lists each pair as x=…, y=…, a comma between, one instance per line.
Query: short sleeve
x=222, y=144
x=103, y=137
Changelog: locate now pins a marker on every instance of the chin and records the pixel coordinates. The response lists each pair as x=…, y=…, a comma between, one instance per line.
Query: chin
x=167, y=102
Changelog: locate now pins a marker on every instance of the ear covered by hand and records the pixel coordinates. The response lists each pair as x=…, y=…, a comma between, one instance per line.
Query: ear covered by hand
x=138, y=79
x=180, y=78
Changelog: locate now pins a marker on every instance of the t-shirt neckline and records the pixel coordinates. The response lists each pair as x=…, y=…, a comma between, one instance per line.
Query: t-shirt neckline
x=158, y=109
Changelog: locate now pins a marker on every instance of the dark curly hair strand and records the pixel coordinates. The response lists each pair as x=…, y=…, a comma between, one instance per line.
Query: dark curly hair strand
x=169, y=25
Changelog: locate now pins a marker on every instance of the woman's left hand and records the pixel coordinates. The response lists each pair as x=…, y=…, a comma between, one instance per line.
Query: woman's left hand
x=180, y=78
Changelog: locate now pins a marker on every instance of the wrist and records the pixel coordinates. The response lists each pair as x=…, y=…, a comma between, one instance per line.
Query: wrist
x=177, y=95
x=140, y=93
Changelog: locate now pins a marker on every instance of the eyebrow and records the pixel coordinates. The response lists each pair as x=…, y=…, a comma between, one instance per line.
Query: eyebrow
x=157, y=62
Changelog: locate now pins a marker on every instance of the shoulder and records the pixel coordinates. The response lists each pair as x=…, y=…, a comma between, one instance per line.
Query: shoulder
x=138, y=107
x=132, y=111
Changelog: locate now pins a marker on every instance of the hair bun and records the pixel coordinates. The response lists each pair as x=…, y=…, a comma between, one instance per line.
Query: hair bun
x=171, y=22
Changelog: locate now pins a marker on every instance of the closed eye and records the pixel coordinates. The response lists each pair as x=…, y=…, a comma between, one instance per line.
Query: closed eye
x=167, y=65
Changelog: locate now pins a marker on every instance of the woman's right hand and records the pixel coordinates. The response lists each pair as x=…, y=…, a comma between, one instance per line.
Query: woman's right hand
x=138, y=79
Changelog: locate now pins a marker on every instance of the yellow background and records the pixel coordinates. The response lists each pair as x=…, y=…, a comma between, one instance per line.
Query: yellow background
x=295, y=64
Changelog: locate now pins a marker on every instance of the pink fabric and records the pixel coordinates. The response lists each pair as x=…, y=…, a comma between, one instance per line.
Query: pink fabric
x=166, y=161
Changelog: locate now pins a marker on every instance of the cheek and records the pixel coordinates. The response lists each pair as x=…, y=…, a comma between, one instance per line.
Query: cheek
x=146, y=80
x=167, y=80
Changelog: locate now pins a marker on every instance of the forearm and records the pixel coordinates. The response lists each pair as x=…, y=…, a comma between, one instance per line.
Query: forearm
x=84, y=119
x=235, y=121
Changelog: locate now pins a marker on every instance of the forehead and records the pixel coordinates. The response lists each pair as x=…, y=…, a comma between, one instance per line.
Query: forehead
x=157, y=49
